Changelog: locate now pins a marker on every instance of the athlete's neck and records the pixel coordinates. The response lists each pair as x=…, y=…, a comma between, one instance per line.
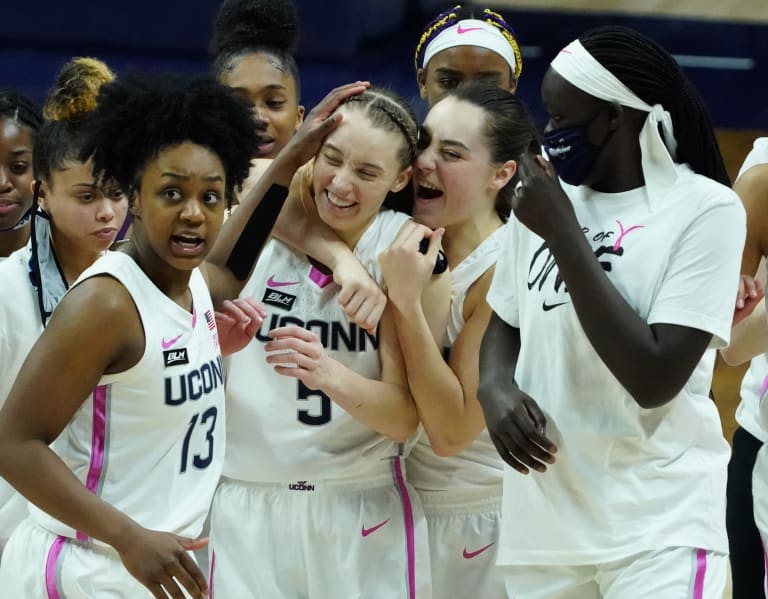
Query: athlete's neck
x=10, y=241
x=173, y=282
x=71, y=258
x=461, y=239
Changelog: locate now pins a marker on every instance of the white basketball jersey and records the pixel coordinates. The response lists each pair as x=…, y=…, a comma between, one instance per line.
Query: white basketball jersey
x=755, y=382
x=278, y=429
x=479, y=464
x=150, y=440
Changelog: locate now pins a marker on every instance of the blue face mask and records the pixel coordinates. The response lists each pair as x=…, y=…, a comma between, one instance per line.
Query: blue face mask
x=571, y=154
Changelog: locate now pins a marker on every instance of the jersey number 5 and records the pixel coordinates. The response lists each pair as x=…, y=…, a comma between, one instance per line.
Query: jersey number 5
x=306, y=416
x=208, y=420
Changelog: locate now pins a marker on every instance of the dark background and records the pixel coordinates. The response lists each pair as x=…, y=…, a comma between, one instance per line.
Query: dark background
x=344, y=40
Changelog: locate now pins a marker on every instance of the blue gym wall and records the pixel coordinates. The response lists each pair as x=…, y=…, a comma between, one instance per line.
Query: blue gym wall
x=344, y=40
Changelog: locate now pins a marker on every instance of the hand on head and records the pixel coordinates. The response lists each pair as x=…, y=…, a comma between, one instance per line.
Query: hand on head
x=321, y=120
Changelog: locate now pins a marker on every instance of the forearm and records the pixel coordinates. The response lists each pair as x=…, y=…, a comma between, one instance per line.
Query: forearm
x=622, y=339
x=305, y=232
x=382, y=406
x=40, y=475
x=244, y=234
x=436, y=390
x=499, y=352
x=749, y=338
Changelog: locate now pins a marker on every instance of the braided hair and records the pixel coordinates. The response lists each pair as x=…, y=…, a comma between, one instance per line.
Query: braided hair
x=139, y=115
x=461, y=12
x=391, y=112
x=70, y=101
x=17, y=107
x=244, y=27
x=655, y=77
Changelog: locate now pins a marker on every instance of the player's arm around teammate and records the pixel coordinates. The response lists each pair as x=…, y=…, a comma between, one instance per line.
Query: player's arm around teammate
x=178, y=197
x=385, y=405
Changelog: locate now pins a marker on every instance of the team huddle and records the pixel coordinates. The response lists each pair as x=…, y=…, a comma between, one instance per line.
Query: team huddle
x=343, y=353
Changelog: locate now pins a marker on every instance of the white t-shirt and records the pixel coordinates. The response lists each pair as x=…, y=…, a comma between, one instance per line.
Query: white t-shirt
x=755, y=381
x=278, y=430
x=627, y=479
x=20, y=326
x=150, y=440
x=478, y=466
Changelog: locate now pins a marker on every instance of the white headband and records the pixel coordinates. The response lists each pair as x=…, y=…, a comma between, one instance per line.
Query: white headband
x=472, y=32
x=579, y=67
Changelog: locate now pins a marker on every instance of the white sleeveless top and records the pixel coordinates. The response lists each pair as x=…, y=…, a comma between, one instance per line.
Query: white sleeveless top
x=478, y=466
x=755, y=381
x=278, y=430
x=150, y=440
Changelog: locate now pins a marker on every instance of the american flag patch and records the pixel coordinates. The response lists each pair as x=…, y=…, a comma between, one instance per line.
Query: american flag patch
x=210, y=320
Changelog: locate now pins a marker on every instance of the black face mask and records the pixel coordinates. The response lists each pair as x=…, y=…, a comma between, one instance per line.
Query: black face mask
x=571, y=153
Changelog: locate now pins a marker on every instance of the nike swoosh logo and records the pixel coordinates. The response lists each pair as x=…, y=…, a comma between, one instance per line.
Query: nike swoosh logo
x=471, y=554
x=547, y=307
x=272, y=283
x=172, y=342
x=367, y=531
x=461, y=31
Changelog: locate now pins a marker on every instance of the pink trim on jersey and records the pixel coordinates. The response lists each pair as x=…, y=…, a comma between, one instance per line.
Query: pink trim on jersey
x=319, y=278
x=701, y=570
x=764, y=386
x=52, y=566
x=98, y=439
x=210, y=574
x=410, y=541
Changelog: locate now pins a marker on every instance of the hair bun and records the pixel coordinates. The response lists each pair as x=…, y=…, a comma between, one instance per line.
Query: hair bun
x=271, y=24
x=77, y=86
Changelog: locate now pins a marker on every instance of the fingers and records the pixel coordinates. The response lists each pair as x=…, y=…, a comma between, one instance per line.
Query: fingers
x=434, y=244
x=538, y=426
x=749, y=288
x=193, y=544
x=194, y=576
x=525, y=168
x=336, y=96
x=291, y=331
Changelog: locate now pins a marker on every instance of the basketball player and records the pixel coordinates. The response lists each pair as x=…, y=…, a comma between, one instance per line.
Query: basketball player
x=594, y=369
x=76, y=222
x=136, y=411
x=318, y=407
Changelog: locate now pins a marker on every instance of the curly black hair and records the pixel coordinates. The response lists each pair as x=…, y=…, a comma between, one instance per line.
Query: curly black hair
x=255, y=27
x=140, y=114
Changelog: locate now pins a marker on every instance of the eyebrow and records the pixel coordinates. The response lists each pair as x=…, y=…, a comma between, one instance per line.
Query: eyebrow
x=270, y=87
x=365, y=164
x=186, y=177
x=453, y=142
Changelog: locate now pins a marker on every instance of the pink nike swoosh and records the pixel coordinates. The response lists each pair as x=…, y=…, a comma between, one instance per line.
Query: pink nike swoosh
x=272, y=283
x=172, y=342
x=461, y=31
x=367, y=531
x=471, y=554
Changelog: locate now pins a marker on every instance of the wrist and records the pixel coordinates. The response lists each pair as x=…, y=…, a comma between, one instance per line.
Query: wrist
x=121, y=533
x=284, y=167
